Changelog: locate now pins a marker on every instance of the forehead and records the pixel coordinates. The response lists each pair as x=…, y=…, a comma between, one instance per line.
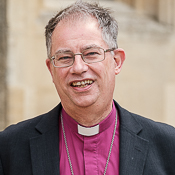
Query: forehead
x=77, y=33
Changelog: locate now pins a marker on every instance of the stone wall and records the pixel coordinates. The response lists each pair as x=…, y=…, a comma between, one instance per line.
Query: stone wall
x=3, y=58
x=145, y=86
x=161, y=10
x=149, y=39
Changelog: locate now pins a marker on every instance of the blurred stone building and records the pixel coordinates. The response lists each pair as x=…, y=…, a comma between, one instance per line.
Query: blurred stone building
x=145, y=86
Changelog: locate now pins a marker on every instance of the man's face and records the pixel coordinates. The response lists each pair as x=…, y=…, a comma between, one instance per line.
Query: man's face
x=99, y=78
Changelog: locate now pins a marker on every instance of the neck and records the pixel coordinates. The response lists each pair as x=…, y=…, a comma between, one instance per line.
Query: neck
x=88, y=116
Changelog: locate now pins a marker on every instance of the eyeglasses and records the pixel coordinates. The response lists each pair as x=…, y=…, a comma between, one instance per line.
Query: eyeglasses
x=90, y=55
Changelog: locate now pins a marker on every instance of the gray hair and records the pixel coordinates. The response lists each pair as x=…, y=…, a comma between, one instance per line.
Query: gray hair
x=79, y=10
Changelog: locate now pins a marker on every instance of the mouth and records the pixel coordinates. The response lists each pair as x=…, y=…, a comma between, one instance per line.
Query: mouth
x=82, y=84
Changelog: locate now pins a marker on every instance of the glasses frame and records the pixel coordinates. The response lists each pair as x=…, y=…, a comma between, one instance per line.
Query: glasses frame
x=74, y=54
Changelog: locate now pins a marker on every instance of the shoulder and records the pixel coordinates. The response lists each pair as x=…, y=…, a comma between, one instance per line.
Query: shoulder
x=21, y=131
x=145, y=127
x=16, y=140
x=160, y=136
x=155, y=129
x=161, y=139
x=28, y=128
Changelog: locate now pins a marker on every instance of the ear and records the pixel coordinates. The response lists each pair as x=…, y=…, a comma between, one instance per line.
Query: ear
x=49, y=66
x=119, y=57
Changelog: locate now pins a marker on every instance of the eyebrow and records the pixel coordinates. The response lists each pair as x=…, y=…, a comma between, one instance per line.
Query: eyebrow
x=83, y=48
x=89, y=46
x=63, y=50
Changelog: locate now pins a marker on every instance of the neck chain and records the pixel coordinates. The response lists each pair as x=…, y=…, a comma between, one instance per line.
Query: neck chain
x=67, y=149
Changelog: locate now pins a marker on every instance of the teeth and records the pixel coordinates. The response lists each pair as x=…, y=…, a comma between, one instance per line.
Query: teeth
x=78, y=83
x=82, y=83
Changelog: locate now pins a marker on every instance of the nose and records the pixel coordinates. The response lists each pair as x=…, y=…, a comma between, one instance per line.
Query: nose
x=79, y=66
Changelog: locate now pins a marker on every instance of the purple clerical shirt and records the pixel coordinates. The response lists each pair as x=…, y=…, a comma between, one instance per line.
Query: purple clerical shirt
x=89, y=154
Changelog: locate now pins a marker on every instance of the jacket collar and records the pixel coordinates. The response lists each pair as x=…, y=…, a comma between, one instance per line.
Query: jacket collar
x=133, y=148
x=50, y=120
x=45, y=146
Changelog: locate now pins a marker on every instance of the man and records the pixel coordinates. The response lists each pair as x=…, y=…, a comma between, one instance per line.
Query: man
x=88, y=132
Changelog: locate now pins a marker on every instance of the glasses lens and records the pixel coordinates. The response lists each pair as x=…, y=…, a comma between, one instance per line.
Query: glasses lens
x=63, y=59
x=93, y=55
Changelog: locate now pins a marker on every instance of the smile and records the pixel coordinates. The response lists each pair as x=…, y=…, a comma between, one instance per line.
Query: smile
x=82, y=84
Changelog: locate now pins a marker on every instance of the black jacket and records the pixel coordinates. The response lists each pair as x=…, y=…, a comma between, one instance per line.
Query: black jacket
x=32, y=147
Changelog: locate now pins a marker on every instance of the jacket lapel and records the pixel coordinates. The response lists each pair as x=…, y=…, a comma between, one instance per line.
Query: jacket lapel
x=133, y=153
x=133, y=148
x=45, y=147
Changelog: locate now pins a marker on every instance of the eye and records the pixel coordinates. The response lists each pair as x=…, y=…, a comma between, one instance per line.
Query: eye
x=91, y=53
x=63, y=58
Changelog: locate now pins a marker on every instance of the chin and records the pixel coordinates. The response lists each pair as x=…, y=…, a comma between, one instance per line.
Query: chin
x=84, y=103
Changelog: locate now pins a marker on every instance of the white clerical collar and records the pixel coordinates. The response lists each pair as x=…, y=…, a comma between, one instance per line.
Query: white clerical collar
x=88, y=131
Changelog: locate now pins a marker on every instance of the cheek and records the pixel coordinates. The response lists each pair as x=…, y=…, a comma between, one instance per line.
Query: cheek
x=60, y=76
x=110, y=74
x=55, y=76
x=110, y=67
